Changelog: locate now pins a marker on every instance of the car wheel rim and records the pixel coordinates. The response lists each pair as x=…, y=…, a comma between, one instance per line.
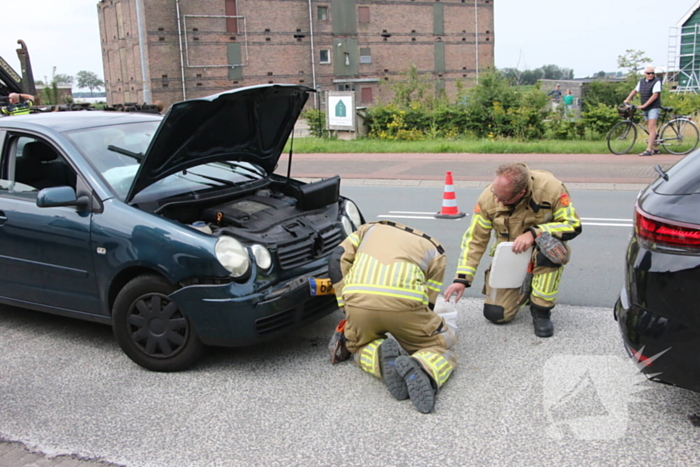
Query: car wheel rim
x=156, y=326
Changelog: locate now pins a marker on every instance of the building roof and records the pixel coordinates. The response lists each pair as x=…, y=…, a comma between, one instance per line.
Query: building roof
x=687, y=16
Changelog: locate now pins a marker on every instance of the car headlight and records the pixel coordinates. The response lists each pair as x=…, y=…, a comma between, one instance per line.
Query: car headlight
x=347, y=225
x=353, y=213
x=262, y=256
x=232, y=255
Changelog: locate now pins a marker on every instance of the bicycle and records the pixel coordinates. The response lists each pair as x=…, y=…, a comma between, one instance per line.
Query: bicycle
x=679, y=135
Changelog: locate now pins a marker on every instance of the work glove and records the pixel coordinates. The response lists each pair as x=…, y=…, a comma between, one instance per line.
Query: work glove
x=552, y=248
x=526, y=288
x=337, y=348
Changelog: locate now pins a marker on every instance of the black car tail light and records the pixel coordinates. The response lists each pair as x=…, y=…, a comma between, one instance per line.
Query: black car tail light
x=665, y=232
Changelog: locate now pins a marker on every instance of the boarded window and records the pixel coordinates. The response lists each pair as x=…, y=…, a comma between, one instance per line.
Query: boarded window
x=365, y=55
x=322, y=13
x=366, y=96
x=324, y=56
x=231, y=23
x=363, y=14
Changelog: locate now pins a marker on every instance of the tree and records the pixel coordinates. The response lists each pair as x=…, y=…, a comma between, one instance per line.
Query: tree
x=51, y=86
x=530, y=77
x=554, y=72
x=90, y=80
x=633, y=60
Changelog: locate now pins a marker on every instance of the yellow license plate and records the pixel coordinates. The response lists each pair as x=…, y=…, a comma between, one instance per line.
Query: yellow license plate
x=320, y=286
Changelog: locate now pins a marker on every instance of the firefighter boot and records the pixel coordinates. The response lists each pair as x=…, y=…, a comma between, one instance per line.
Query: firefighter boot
x=389, y=350
x=420, y=386
x=540, y=319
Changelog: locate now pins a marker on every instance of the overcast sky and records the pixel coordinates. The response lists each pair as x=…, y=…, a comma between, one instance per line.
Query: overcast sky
x=586, y=36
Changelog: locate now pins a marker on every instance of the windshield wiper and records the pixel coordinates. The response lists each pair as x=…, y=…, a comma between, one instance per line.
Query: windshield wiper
x=235, y=165
x=661, y=172
x=136, y=155
x=214, y=179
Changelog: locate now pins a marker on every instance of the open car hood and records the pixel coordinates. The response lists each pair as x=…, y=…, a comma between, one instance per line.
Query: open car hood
x=249, y=124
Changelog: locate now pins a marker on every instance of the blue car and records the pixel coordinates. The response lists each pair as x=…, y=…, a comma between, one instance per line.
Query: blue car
x=174, y=230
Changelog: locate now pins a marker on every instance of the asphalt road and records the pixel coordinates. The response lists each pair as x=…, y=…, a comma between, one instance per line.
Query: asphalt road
x=515, y=400
x=68, y=392
x=592, y=278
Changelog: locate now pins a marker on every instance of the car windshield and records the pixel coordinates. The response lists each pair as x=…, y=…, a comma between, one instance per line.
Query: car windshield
x=116, y=152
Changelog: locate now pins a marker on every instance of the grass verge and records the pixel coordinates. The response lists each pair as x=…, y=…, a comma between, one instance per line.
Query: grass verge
x=365, y=145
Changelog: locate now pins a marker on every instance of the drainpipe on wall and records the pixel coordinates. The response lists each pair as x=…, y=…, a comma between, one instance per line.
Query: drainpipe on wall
x=476, y=32
x=143, y=50
x=182, y=60
x=313, y=53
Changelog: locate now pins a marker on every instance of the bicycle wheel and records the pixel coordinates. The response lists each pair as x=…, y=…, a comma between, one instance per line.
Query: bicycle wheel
x=679, y=136
x=622, y=137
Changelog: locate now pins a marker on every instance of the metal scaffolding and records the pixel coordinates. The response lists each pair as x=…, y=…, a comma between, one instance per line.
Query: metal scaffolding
x=683, y=66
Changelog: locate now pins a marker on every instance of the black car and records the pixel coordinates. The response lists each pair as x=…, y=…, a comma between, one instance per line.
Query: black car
x=174, y=230
x=659, y=306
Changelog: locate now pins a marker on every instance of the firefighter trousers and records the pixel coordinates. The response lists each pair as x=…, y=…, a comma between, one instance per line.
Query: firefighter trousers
x=420, y=332
x=501, y=305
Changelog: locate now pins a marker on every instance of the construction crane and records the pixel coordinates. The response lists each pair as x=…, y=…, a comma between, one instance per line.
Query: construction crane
x=11, y=81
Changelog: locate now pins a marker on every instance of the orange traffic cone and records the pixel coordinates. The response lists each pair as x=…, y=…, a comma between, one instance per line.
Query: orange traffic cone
x=449, y=201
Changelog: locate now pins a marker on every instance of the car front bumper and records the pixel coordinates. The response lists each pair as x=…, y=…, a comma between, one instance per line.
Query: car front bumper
x=222, y=316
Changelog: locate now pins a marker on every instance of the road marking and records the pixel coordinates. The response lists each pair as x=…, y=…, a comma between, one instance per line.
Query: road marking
x=411, y=212
x=604, y=219
x=408, y=217
x=611, y=225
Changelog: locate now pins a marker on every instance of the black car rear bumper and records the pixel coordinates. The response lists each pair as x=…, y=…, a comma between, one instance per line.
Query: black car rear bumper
x=666, y=350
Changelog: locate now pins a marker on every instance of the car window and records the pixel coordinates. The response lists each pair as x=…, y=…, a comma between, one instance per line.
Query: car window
x=683, y=177
x=30, y=164
x=119, y=169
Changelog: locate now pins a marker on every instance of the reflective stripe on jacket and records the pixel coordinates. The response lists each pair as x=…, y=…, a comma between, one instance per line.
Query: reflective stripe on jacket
x=17, y=109
x=388, y=266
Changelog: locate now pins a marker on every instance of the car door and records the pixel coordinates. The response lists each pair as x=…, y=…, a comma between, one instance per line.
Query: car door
x=45, y=253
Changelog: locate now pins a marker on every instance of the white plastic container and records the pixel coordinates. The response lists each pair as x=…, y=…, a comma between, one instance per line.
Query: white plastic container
x=447, y=311
x=201, y=226
x=508, y=269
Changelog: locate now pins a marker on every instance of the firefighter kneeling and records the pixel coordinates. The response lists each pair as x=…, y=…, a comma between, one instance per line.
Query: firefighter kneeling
x=387, y=278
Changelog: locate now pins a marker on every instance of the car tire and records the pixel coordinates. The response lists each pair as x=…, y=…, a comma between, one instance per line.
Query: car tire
x=151, y=329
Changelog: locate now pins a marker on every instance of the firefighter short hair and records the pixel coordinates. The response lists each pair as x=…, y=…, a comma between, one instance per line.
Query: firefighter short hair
x=516, y=172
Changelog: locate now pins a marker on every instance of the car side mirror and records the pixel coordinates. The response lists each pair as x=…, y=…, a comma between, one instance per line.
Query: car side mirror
x=61, y=196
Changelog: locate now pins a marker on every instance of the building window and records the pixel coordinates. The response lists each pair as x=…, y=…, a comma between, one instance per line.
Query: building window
x=363, y=14
x=365, y=55
x=366, y=96
x=324, y=56
x=231, y=23
x=322, y=13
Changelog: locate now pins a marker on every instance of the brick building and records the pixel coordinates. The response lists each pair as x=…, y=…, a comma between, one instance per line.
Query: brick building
x=171, y=50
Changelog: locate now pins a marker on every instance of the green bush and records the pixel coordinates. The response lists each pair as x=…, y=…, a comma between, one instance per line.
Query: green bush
x=492, y=110
x=600, y=118
x=316, y=120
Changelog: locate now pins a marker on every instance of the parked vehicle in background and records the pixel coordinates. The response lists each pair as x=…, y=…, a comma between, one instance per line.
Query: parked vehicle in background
x=657, y=310
x=175, y=230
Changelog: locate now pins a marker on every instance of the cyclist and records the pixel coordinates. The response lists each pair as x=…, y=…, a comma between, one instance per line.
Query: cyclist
x=649, y=89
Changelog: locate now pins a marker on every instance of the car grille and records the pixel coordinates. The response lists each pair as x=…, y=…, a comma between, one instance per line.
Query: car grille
x=299, y=253
x=285, y=319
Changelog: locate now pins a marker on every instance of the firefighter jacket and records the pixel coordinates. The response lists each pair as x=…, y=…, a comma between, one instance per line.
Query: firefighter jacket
x=545, y=207
x=17, y=109
x=387, y=266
